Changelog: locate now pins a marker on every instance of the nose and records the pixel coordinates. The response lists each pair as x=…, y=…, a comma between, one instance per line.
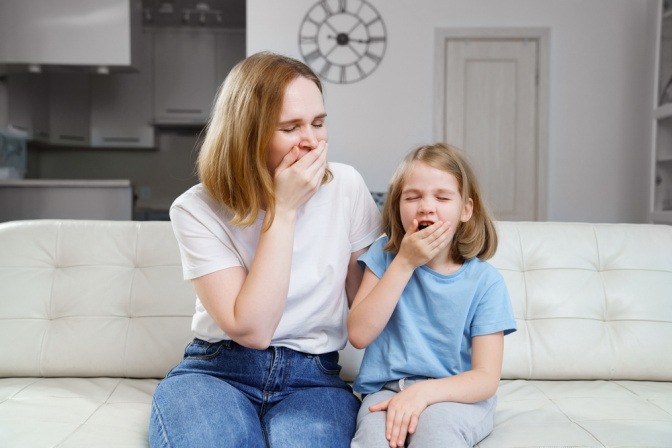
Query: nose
x=308, y=138
x=425, y=206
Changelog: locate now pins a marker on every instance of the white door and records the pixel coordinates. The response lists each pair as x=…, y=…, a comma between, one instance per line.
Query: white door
x=489, y=99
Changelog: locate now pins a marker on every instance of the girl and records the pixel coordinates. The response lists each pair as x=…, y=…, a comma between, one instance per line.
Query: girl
x=430, y=312
x=270, y=240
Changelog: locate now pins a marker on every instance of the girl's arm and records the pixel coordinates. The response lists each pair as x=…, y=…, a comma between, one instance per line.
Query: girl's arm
x=376, y=299
x=477, y=384
x=374, y=303
x=248, y=306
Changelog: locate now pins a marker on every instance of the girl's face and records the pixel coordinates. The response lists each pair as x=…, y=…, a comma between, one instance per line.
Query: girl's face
x=302, y=122
x=430, y=195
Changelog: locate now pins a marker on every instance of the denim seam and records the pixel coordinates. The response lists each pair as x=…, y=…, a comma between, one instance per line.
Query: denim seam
x=207, y=356
x=288, y=368
x=320, y=366
x=157, y=413
x=264, y=392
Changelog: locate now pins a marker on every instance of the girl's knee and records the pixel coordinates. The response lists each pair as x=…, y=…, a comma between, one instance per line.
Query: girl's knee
x=454, y=424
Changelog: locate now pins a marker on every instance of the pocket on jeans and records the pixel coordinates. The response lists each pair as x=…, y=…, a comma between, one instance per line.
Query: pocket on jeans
x=328, y=363
x=199, y=349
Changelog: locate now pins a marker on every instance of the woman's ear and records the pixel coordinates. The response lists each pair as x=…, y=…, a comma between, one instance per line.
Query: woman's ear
x=467, y=210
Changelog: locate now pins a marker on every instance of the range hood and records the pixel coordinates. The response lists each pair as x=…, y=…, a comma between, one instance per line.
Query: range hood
x=99, y=36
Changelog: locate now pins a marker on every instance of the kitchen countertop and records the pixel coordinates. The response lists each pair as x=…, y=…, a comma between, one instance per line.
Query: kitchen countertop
x=68, y=183
x=106, y=199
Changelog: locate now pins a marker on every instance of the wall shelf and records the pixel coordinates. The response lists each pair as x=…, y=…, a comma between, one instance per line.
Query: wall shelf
x=660, y=205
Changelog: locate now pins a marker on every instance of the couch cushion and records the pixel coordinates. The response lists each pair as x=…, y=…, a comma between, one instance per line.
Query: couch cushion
x=75, y=412
x=114, y=412
x=91, y=298
x=582, y=414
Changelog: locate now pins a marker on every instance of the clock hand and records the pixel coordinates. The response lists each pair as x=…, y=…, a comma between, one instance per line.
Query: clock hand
x=343, y=36
x=331, y=26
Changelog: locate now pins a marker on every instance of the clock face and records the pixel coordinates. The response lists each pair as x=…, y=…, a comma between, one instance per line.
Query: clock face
x=342, y=40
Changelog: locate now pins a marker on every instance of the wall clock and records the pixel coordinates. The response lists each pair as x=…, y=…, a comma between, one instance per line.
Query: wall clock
x=342, y=40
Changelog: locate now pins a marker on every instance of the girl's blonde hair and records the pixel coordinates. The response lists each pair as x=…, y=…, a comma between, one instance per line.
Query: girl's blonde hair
x=232, y=160
x=475, y=238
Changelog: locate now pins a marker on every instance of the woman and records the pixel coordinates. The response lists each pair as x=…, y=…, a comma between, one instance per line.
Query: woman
x=270, y=239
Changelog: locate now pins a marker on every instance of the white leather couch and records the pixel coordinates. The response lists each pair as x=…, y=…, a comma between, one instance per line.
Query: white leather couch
x=94, y=313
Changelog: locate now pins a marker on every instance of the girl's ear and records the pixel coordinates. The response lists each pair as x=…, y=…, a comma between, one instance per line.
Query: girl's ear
x=467, y=210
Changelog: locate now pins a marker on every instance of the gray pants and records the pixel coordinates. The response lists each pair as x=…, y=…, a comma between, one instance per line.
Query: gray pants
x=441, y=425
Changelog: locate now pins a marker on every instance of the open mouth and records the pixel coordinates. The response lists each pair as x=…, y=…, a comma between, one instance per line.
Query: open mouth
x=424, y=225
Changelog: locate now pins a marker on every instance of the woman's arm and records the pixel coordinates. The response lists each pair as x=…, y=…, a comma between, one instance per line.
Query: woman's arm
x=353, y=278
x=248, y=306
x=242, y=303
x=477, y=384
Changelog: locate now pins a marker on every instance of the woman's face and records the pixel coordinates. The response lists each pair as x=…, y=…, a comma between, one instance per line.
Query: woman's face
x=302, y=122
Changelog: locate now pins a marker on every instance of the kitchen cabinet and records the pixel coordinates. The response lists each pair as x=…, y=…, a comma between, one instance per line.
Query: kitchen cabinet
x=78, y=33
x=85, y=110
x=189, y=66
x=122, y=105
x=69, y=109
x=50, y=108
x=230, y=49
x=27, y=109
x=179, y=71
x=184, y=75
x=660, y=210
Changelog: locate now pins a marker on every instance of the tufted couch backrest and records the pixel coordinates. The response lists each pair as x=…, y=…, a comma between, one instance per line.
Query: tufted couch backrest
x=106, y=298
x=91, y=298
x=592, y=301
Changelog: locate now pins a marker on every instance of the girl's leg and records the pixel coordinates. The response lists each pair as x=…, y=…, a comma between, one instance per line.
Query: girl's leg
x=454, y=424
x=371, y=425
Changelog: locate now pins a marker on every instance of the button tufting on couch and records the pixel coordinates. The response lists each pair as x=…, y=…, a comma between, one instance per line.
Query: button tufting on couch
x=94, y=313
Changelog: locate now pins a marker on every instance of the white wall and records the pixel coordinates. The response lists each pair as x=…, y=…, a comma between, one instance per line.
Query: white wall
x=601, y=77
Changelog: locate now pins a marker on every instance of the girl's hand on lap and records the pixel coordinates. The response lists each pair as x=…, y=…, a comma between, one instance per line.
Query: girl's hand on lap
x=403, y=412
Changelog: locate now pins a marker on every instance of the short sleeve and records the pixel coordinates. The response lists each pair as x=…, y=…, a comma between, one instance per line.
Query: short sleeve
x=365, y=223
x=203, y=251
x=494, y=312
x=376, y=258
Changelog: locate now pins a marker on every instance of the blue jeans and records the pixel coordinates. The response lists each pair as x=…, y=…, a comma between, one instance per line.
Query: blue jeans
x=225, y=395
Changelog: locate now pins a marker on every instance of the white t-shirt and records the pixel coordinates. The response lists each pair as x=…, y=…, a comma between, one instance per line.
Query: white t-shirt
x=339, y=219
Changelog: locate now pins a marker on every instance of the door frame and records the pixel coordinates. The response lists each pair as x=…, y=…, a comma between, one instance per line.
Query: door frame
x=542, y=37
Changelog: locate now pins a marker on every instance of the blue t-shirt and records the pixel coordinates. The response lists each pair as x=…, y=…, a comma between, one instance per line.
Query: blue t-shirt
x=430, y=331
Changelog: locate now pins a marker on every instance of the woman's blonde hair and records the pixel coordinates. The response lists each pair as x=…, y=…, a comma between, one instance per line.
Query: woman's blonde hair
x=232, y=160
x=475, y=238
